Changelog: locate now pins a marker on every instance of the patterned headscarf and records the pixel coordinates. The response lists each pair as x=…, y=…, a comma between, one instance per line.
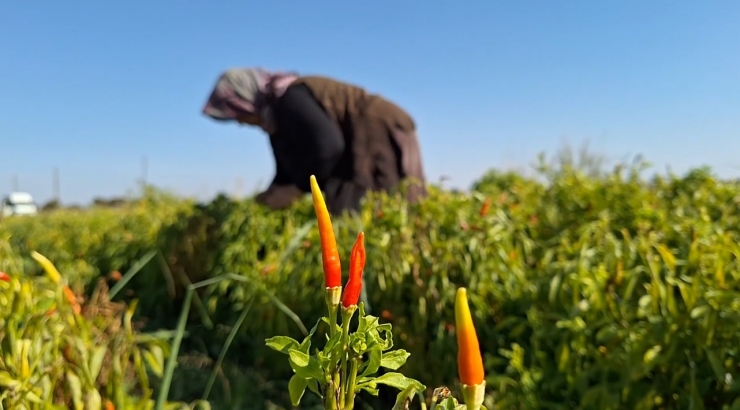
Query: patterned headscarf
x=244, y=91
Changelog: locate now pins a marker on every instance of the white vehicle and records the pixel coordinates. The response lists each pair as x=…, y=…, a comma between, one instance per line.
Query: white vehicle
x=18, y=203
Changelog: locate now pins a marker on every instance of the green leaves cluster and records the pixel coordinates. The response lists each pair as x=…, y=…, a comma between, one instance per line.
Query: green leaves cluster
x=591, y=288
x=52, y=357
x=367, y=350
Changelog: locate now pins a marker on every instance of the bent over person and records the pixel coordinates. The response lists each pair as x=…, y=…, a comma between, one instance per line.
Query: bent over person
x=351, y=140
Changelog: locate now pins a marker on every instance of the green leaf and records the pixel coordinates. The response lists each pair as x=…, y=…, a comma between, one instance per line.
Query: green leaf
x=373, y=362
x=305, y=366
x=554, y=288
x=699, y=311
x=386, y=341
x=93, y=400
x=6, y=380
x=296, y=388
x=449, y=403
x=358, y=343
x=395, y=359
x=75, y=387
x=306, y=344
x=404, y=398
x=282, y=344
x=716, y=365
x=313, y=385
x=370, y=389
x=334, y=346
x=96, y=361
x=336, y=326
x=155, y=359
x=667, y=256
x=398, y=381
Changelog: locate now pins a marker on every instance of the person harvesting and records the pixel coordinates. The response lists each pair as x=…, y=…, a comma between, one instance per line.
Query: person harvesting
x=351, y=140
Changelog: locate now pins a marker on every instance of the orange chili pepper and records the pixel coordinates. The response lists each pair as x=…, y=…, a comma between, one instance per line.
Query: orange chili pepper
x=72, y=299
x=4, y=276
x=484, y=208
x=356, y=266
x=469, y=360
x=329, y=252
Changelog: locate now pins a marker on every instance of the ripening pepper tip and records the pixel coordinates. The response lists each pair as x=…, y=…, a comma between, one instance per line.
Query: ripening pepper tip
x=4, y=277
x=356, y=266
x=329, y=252
x=469, y=360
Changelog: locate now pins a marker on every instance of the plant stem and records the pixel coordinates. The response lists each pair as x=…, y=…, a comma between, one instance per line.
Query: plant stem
x=332, y=297
x=350, y=399
x=332, y=320
x=331, y=396
x=346, y=317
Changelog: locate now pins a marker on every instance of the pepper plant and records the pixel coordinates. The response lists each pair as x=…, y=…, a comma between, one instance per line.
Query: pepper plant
x=350, y=359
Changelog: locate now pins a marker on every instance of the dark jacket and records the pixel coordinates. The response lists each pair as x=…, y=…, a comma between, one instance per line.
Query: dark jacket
x=353, y=141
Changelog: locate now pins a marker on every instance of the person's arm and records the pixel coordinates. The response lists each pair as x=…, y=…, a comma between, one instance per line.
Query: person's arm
x=312, y=143
x=282, y=191
x=282, y=176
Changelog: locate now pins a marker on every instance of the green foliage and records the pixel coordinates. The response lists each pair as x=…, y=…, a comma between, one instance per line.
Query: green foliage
x=57, y=354
x=89, y=243
x=348, y=360
x=595, y=289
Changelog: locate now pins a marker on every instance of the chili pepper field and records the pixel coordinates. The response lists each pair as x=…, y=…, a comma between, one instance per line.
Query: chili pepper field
x=591, y=290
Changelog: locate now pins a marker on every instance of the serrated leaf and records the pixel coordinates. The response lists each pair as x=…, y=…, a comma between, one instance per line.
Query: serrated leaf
x=395, y=359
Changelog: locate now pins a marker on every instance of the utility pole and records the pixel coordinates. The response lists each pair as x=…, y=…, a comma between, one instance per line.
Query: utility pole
x=55, y=185
x=238, y=187
x=144, y=170
x=15, y=182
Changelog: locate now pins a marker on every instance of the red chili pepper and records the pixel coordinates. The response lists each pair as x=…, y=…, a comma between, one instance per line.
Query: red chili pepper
x=4, y=276
x=356, y=266
x=329, y=253
x=469, y=360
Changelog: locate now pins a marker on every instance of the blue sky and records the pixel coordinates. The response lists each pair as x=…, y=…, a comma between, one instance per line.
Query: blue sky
x=91, y=87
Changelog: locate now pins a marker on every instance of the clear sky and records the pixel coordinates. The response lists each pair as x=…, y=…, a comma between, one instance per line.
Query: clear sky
x=91, y=87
